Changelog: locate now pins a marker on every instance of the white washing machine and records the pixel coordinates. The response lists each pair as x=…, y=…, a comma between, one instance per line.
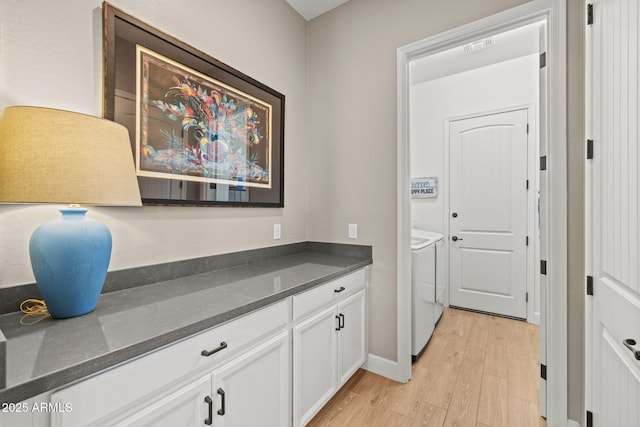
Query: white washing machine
x=427, y=297
x=441, y=274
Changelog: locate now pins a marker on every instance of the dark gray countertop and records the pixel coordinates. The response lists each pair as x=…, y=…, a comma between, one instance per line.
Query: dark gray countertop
x=131, y=322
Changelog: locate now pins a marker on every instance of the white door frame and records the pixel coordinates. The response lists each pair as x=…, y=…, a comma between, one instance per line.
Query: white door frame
x=554, y=12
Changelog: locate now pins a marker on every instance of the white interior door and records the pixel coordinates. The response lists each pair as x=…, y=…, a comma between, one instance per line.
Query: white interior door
x=488, y=213
x=614, y=256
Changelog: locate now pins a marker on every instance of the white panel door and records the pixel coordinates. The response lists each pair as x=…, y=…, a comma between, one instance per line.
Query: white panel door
x=614, y=258
x=488, y=213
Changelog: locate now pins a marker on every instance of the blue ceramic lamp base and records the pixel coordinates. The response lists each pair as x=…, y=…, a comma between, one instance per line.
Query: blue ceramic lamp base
x=70, y=258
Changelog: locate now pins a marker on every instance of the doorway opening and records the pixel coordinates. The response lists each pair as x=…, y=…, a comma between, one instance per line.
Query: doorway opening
x=548, y=113
x=474, y=130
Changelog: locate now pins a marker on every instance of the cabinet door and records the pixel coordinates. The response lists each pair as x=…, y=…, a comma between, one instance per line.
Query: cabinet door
x=314, y=364
x=25, y=413
x=352, y=336
x=184, y=407
x=254, y=389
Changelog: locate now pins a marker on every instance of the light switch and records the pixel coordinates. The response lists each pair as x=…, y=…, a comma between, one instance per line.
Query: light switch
x=277, y=231
x=353, y=231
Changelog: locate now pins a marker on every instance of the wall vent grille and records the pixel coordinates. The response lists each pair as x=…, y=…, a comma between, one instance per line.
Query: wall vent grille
x=478, y=45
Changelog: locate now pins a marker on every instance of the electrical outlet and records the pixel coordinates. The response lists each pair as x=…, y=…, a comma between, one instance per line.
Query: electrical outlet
x=277, y=231
x=353, y=231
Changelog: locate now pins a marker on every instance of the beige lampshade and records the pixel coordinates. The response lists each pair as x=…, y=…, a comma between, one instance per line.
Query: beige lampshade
x=56, y=156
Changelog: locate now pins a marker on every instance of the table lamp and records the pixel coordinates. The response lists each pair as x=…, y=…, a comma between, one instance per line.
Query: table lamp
x=55, y=156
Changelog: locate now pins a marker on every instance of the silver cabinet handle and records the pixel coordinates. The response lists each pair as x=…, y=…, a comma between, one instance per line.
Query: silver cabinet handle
x=209, y=421
x=223, y=398
x=208, y=353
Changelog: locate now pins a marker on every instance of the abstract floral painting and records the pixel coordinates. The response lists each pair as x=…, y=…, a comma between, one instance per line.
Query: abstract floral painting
x=191, y=127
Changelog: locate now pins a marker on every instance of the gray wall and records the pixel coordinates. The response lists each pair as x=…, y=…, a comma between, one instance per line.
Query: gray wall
x=352, y=129
x=51, y=55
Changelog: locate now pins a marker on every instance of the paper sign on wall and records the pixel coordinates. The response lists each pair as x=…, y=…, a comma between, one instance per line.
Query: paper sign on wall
x=422, y=188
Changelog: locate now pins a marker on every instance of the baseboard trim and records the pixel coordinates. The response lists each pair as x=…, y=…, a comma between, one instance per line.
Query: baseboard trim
x=571, y=423
x=534, y=319
x=381, y=366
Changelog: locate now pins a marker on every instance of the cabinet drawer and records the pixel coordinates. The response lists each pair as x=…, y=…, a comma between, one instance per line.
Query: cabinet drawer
x=115, y=392
x=332, y=292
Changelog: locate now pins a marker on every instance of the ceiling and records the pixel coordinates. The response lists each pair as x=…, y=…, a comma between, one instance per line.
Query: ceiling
x=497, y=48
x=309, y=9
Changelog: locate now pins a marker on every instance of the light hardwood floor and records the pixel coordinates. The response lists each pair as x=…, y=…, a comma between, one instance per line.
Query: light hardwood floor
x=477, y=370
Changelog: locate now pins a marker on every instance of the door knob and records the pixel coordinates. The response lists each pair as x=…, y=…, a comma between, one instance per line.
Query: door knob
x=455, y=214
x=455, y=238
x=630, y=343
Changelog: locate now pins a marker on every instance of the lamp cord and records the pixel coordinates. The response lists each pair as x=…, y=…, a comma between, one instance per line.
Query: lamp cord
x=33, y=308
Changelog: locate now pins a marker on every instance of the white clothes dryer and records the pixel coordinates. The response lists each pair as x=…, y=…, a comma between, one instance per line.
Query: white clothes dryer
x=426, y=295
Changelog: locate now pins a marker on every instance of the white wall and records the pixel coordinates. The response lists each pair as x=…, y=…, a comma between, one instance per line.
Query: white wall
x=51, y=55
x=498, y=86
x=352, y=130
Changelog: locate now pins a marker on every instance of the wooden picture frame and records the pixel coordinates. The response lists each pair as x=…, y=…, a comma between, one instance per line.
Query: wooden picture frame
x=202, y=132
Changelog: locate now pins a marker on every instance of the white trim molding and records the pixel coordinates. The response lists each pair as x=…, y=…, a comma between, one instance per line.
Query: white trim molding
x=381, y=366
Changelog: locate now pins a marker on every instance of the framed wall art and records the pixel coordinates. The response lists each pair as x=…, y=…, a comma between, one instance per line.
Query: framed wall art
x=202, y=132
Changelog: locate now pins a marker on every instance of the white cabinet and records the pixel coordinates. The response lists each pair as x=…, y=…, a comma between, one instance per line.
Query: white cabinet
x=253, y=389
x=315, y=365
x=185, y=407
x=245, y=372
x=352, y=337
x=329, y=342
x=250, y=390
x=248, y=360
